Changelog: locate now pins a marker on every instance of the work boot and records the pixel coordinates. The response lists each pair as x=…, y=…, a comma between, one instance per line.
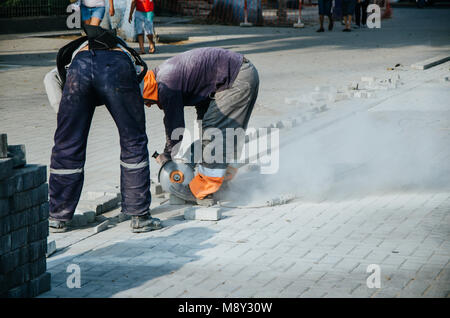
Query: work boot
x=57, y=226
x=144, y=223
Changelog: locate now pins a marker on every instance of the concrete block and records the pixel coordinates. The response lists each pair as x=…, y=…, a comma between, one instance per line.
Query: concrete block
x=19, y=220
x=37, y=249
x=174, y=200
x=78, y=220
x=18, y=154
x=124, y=217
x=18, y=276
x=90, y=216
x=99, y=204
x=3, y=146
x=38, y=267
x=33, y=215
x=29, y=198
x=38, y=231
x=102, y=226
x=6, y=168
x=158, y=189
x=19, y=238
x=426, y=64
x=18, y=292
x=203, y=214
x=9, y=261
x=5, y=244
x=4, y=207
x=43, y=211
x=51, y=248
x=39, y=285
x=5, y=225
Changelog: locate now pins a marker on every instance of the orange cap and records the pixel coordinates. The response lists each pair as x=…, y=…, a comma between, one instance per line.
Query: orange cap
x=150, y=87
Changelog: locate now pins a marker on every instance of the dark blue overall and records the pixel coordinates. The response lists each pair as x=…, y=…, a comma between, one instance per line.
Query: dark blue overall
x=94, y=78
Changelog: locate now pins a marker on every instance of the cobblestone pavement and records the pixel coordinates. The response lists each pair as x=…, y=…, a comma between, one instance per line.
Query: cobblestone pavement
x=311, y=247
x=307, y=248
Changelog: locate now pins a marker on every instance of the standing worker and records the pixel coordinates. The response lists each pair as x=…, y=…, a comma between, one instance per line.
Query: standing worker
x=100, y=70
x=223, y=85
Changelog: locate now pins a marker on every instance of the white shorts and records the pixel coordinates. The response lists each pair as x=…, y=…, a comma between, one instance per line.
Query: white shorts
x=143, y=21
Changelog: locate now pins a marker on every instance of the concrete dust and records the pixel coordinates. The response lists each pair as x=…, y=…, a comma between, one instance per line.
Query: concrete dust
x=369, y=153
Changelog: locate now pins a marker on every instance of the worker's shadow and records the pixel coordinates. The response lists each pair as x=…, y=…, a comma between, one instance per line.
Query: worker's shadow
x=128, y=264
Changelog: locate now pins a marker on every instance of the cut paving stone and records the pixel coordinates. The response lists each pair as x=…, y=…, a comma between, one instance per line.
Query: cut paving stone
x=102, y=226
x=174, y=200
x=51, y=248
x=18, y=154
x=3, y=146
x=426, y=64
x=202, y=214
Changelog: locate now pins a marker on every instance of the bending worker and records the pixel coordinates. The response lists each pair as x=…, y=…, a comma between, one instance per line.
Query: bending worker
x=223, y=85
x=95, y=70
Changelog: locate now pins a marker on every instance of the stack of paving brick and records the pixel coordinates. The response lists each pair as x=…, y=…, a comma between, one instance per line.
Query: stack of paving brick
x=23, y=224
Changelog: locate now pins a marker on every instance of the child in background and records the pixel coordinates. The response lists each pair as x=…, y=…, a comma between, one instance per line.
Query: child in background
x=143, y=21
x=93, y=11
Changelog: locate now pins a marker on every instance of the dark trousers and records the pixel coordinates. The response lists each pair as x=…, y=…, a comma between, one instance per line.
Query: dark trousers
x=231, y=108
x=361, y=6
x=107, y=77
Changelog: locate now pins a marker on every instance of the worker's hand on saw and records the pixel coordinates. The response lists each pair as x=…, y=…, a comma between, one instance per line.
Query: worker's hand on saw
x=163, y=158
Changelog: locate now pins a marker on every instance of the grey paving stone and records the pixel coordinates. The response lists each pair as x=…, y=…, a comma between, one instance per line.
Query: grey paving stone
x=38, y=267
x=38, y=231
x=5, y=225
x=18, y=292
x=43, y=211
x=51, y=248
x=19, y=238
x=4, y=207
x=174, y=200
x=40, y=284
x=29, y=198
x=202, y=214
x=102, y=226
x=18, y=276
x=6, y=168
x=18, y=154
x=3, y=146
x=19, y=220
x=37, y=249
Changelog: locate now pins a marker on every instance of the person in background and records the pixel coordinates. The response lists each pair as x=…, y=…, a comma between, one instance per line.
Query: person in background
x=325, y=9
x=348, y=7
x=361, y=5
x=93, y=11
x=143, y=22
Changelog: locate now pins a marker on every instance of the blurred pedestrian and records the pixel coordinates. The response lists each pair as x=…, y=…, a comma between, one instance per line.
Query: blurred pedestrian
x=143, y=23
x=348, y=8
x=325, y=9
x=93, y=11
x=361, y=5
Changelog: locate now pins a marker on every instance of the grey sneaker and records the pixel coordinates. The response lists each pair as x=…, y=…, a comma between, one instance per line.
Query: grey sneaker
x=57, y=226
x=144, y=223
